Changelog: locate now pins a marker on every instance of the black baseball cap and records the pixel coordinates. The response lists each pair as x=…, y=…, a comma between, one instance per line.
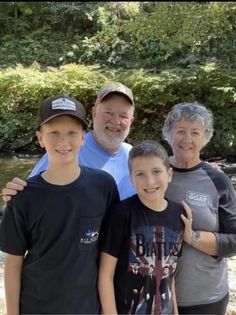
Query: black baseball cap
x=61, y=105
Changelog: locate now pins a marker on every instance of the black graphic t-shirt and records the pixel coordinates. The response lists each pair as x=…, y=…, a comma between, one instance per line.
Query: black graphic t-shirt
x=146, y=244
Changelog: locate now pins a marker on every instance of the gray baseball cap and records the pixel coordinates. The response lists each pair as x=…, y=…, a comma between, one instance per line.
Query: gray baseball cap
x=115, y=87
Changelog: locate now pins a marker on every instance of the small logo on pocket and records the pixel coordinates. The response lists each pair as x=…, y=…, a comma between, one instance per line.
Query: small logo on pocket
x=89, y=237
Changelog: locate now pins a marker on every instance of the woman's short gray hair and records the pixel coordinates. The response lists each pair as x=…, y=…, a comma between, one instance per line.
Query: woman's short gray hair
x=192, y=112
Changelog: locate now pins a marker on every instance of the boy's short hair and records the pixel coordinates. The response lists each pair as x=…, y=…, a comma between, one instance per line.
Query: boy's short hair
x=148, y=148
x=62, y=104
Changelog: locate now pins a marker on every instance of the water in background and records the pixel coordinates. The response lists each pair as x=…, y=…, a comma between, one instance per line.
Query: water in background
x=12, y=166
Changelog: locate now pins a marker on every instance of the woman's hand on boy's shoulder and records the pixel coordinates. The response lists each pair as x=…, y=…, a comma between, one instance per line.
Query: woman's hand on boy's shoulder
x=188, y=220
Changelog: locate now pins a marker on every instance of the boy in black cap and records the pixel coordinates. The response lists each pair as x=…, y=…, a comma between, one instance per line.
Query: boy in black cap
x=50, y=230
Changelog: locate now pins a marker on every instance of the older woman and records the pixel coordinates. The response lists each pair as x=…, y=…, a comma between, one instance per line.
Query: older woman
x=201, y=276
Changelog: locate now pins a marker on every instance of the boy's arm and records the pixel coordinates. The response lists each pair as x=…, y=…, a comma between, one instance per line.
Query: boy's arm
x=12, y=279
x=105, y=283
x=173, y=293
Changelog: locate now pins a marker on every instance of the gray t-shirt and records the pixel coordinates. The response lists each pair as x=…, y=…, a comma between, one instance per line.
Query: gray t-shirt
x=201, y=278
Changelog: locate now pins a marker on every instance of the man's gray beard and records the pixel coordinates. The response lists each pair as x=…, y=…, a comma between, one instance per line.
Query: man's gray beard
x=111, y=143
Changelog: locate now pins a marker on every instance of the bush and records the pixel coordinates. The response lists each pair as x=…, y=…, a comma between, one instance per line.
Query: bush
x=23, y=89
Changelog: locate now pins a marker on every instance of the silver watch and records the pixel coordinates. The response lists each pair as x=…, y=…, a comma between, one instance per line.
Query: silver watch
x=194, y=238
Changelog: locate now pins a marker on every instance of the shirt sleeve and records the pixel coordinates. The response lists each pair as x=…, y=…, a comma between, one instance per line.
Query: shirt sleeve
x=13, y=232
x=114, y=195
x=113, y=232
x=226, y=238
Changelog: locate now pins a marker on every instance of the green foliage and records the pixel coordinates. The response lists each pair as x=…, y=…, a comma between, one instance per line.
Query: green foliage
x=186, y=33
x=23, y=89
x=118, y=34
x=172, y=52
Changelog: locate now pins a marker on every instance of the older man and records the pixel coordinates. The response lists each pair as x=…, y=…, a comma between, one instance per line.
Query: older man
x=104, y=146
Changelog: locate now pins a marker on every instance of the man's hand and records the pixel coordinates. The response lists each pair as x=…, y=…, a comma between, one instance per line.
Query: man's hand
x=216, y=166
x=12, y=188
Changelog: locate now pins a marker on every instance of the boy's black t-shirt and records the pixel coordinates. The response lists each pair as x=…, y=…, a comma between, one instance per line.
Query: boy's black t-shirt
x=57, y=228
x=139, y=236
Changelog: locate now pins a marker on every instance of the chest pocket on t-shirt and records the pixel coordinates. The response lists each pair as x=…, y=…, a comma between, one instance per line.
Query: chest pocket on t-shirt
x=89, y=229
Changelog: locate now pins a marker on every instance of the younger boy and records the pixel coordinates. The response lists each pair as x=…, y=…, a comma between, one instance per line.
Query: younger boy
x=50, y=230
x=146, y=228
